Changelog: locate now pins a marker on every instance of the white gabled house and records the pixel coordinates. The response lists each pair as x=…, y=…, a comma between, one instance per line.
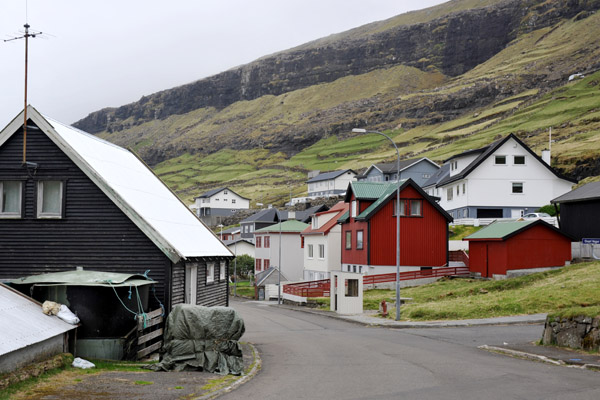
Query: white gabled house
x=216, y=204
x=323, y=243
x=503, y=180
x=330, y=184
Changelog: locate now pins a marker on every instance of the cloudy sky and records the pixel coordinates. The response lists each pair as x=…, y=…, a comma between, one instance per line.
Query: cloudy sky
x=96, y=54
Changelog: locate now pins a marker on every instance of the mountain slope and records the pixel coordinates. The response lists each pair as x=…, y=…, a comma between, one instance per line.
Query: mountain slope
x=433, y=106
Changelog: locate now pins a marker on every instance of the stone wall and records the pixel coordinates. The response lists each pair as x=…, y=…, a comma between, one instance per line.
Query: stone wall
x=577, y=332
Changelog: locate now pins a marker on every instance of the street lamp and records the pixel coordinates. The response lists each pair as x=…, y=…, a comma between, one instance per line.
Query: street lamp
x=358, y=130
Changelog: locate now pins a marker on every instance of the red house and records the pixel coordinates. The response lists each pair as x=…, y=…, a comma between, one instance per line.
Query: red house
x=516, y=245
x=369, y=228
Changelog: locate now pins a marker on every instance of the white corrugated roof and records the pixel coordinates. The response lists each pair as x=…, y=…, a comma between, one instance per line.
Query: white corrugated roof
x=134, y=188
x=23, y=322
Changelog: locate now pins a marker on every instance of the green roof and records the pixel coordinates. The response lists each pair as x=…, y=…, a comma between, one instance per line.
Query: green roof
x=287, y=226
x=390, y=188
x=85, y=278
x=500, y=229
x=344, y=217
x=371, y=190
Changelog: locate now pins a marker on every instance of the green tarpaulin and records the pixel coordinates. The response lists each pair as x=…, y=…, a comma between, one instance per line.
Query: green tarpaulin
x=202, y=338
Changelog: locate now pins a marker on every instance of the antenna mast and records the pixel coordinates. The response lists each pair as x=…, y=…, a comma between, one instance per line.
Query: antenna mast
x=25, y=36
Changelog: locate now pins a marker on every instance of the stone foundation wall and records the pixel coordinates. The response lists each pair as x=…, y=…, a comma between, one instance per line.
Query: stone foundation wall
x=577, y=332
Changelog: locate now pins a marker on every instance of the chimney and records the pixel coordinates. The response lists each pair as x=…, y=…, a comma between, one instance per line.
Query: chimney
x=546, y=156
x=291, y=215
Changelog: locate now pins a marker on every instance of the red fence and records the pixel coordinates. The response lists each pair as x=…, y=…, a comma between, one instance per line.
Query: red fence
x=322, y=288
x=460, y=256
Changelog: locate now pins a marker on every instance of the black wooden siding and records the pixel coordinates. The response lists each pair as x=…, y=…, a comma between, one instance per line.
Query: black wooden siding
x=580, y=219
x=93, y=233
x=213, y=293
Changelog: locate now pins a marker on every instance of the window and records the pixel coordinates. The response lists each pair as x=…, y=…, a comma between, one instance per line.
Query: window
x=50, y=194
x=500, y=160
x=210, y=272
x=310, y=251
x=224, y=199
x=251, y=228
x=258, y=241
x=257, y=264
x=519, y=160
x=321, y=251
x=10, y=201
x=216, y=199
x=416, y=208
x=315, y=222
x=464, y=188
x=232, y=201
x=517, y=187
x=449, y=194
x=267, y=263
x=225, y=192
x=348, y=240
x=352, y=286
x=267, y=242
x=222, y=268
x=457, y=190
x=426, y=176
x=402, y=207
x=359, y=240
x=353, y=209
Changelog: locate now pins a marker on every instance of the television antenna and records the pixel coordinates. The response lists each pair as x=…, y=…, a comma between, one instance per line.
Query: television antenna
x=26, y=35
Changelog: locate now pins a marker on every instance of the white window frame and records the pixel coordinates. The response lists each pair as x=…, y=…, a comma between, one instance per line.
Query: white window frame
x=321, y=251
x=222, y=268
x=40, y=200
x=210, y=272
x=496, y=159
x=515, y=160
x=232, y=201
x=354, y=208
x=360, y=244
x=17, y=214
x=513, y=187
x=310, y=251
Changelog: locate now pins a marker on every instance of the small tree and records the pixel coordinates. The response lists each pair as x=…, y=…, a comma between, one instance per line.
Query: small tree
x=548, y=209
x=244, y=266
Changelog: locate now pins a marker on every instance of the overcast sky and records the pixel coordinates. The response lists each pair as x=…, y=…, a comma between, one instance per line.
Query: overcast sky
x=107, y=53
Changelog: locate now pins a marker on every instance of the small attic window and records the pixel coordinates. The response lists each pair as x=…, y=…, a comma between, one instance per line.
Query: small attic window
x=10, y=199
x=500, y=160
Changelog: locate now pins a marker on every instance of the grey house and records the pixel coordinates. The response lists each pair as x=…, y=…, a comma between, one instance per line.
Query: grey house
x=418, y=169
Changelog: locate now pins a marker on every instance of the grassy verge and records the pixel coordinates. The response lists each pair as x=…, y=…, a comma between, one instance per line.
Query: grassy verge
x=458, y=232
x=244, y=289
x=564, y=292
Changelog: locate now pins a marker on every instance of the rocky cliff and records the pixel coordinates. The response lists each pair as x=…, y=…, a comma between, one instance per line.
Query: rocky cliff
x=452, y=44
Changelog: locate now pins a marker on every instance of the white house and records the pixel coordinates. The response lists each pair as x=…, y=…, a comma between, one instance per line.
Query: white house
x=330, y=184
x=503, y=180
x=211, y=207
x=240, y=247
x=322, y=243
x=266, y=252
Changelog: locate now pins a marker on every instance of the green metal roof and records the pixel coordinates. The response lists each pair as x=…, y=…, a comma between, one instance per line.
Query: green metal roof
x=390, y=189
x=500, y=229
x=289, y=226
x=371, y=190
x=344, y=217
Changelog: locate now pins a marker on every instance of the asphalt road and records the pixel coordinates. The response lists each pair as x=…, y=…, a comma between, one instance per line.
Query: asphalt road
x=307, y=356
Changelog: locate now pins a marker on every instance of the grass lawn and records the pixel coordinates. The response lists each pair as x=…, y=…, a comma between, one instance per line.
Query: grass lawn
x=458, y=232
x=565, y=292
x=243, y=289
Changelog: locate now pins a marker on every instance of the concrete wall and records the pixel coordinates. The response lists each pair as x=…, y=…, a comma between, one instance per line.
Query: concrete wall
x=35, y=352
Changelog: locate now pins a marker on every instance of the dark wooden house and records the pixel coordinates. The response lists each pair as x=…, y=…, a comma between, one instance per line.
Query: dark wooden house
x=369, y=229
x=78, y=200
x=505, y=246
x=580, y=211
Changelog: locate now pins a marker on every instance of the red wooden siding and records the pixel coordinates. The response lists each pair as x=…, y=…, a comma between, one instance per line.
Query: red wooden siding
x=423, y=240
x=536, y=247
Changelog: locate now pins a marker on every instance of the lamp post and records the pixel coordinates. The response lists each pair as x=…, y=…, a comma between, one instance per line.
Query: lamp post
x=357, y=130
x=279, y=268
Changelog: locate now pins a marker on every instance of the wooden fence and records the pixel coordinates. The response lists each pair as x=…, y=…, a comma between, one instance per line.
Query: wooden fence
x=321, y=288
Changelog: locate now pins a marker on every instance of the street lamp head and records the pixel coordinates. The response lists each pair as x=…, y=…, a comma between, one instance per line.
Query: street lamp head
x=359, y=130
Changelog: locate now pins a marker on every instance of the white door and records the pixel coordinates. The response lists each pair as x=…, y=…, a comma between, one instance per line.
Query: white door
x=191, y=283
x=516, y=213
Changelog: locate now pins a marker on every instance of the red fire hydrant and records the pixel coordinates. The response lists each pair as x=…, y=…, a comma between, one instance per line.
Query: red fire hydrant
x=383, y=308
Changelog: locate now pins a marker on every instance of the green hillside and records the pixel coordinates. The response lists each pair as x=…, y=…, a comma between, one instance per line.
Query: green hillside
x=263, y=148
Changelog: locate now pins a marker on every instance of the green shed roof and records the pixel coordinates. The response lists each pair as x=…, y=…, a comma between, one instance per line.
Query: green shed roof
x=371, y=190
x=289, y=226
x=500, y=229
x=81, y=277
x=389, y=189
